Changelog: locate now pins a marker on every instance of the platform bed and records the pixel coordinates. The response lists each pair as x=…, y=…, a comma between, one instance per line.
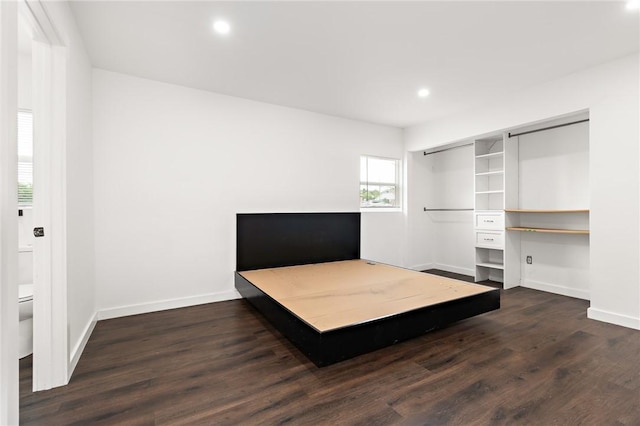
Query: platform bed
x=303, y=273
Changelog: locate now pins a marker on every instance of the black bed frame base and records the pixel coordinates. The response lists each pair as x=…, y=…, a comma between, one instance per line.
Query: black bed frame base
x=325, y=348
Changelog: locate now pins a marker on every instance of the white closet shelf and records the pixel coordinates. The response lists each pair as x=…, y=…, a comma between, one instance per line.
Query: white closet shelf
x=490, y=155
x=545, y=211
x=497, y=172
x=491, y=265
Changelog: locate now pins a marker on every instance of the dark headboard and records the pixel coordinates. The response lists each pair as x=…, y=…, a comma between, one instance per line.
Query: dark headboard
x=270, y=240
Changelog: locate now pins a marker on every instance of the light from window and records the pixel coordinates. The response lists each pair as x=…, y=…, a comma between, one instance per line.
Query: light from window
x=25, y=158
x=379, y=179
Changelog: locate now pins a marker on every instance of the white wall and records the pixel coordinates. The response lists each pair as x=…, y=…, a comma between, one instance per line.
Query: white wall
x=554, y=168
x=172, y=167
x=383, y=235
x=554, y=174
x=443, y=180
x=419, y=254
x=24, y=81
x=610, y=92
x=81, y=307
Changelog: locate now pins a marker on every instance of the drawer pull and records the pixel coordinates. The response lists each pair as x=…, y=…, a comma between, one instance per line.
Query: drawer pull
x=488, y=221
x=488, y=239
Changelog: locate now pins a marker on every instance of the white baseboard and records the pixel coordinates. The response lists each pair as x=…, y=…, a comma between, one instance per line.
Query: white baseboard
x=455, y=269
x=422, y=267
x=163, y=305
x=556, y=289
x=613, y=318
x=443, y=267
x=77, y=350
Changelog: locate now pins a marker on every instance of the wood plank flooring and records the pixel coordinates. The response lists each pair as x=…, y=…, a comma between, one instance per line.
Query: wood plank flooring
x=536, y=361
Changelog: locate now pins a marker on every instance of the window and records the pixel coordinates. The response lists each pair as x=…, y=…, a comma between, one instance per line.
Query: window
x=25, y=158
x=379, y=179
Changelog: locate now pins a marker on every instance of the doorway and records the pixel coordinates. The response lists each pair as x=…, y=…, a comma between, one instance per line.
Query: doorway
x=25, y=193
x=39, y=41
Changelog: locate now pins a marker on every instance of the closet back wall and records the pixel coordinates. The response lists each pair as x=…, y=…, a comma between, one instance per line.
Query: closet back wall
x=449, y=186
x=419, y=255
x=174, y=165
x=554, y=174
x=554, y=168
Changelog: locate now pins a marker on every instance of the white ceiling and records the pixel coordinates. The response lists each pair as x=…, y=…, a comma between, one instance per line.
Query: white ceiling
x=359, y=60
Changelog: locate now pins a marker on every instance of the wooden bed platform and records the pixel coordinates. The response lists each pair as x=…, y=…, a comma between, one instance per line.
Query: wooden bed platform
x=333, y=305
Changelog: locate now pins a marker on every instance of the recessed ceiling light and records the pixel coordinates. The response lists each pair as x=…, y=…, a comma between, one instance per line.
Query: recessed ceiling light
x=221, y=27
x=423, y=93
x=633, y=4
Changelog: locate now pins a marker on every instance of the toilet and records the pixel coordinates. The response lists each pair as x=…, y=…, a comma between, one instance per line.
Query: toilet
x=25, y=301
x=25, y=283
x=25, y=333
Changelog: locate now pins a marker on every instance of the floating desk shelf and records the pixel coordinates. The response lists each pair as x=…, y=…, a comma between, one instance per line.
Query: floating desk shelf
x=545, y=211
x=549, y=230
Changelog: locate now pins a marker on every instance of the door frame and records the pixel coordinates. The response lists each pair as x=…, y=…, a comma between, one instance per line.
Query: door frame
x=49, y=81
x=9, y=391
x=51, y=351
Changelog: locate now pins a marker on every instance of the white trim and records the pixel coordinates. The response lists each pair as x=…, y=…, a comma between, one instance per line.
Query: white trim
x=508, y=286
x=40, y=23
x=58, y=176
x=455, y=269
x=613, y=318
x=77, y=350
x=422, y=267
x=163, y=305
x=9, y=400
x=380, y=209
x=556, y=289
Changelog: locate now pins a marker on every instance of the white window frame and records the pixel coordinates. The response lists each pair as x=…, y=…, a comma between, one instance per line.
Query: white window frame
x=398, y=187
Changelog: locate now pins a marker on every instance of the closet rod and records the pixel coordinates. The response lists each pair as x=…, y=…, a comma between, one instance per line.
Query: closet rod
x=447, y=210
x=511, y=135
x=447, y=149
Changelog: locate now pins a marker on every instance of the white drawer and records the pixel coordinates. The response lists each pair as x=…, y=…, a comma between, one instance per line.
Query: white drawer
x=490, y=221
x=490, y=239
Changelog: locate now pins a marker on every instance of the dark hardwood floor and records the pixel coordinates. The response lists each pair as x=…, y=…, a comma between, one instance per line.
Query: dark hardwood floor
x=537, y=361
x=462, y=277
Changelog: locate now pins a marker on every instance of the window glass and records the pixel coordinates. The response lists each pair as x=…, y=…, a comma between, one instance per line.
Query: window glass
x=25, y=158
x=379, y=179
